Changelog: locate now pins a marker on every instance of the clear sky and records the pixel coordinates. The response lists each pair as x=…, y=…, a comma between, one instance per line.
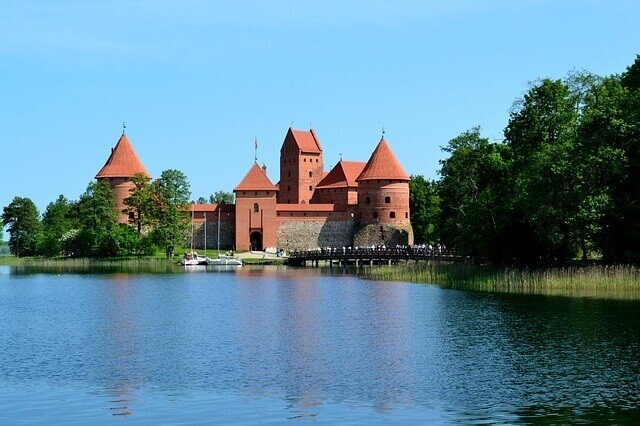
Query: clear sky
x=196, y=81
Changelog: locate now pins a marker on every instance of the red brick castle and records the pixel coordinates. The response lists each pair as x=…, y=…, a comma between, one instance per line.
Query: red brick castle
x=355, y=204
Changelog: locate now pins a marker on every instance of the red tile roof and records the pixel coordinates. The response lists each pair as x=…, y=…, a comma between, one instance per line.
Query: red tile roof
x=344, y=174
x=255, y=180
x=123, y=161
x=307, y=141
x=383, y=164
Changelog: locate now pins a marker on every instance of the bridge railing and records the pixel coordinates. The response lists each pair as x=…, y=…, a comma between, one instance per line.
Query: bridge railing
x=369, y=252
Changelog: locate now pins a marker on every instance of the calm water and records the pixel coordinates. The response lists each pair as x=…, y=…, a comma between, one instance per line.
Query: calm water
x=285, y=346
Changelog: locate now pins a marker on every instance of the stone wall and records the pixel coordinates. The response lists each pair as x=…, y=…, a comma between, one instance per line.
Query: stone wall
x=389, y=235
x=227, y=235
x=309, y=234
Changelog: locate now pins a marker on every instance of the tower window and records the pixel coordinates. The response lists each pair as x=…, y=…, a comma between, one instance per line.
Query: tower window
x=367, y=200
x=310, y=188
x=310, y=174
x=392, y=215
x=288, y=188
x=256, y=208
x=375, y=215
x=304, y=159
x=387, y=200
x=289, y=173
x=406, y=215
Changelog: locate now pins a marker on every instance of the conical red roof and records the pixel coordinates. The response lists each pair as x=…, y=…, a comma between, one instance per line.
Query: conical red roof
x=344, y=174
x=383, y=164
x=123, y=161
x=255, y=180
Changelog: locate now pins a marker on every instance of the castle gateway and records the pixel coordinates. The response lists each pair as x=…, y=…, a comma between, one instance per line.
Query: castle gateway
x=355, y=204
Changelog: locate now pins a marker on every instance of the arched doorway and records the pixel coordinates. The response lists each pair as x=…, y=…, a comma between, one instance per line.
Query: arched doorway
x=255, y=241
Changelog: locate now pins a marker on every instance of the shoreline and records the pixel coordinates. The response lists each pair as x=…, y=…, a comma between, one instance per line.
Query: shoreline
x=610, y=281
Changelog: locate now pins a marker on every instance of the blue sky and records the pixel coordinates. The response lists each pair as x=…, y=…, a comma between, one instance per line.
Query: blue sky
x=196, y=81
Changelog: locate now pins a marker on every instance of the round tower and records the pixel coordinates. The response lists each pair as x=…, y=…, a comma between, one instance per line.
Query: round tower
x=121, y=166
x=383, y=201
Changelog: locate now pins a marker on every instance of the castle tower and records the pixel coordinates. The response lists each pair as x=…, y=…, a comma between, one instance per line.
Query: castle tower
x=383, y=200
x=256, y=226
x=121, y=166
x=301, y=167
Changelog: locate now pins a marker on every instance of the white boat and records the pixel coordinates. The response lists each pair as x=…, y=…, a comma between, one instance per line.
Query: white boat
x=193, y=259
x=225, y=261
x=221, y=260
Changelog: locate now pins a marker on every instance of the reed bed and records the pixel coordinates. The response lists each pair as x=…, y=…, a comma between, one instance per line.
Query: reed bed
x=617, y=281
x=92, y=265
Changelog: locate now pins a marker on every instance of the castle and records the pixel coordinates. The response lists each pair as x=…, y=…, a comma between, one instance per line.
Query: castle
x=355, y=204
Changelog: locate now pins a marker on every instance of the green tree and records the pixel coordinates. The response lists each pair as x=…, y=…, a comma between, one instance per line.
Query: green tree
x=201, y=200
x=97, y=217
x=221, y=197
x=140, y=202
x=21, y=217
x=424, y=203
x=541, y=134
x=55, y=223
x=171, y=194
x=472, y=191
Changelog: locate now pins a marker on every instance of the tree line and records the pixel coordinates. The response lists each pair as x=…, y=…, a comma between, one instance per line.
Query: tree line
x=563, y=184
x=158, y=212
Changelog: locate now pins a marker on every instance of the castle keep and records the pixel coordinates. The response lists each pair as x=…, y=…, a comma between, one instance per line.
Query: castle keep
x=355, y=204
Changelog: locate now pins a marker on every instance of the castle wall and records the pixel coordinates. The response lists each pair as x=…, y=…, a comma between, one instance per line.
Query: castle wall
x=309, y=232
x=227, y=235
x=211, y=212
x=391, y=235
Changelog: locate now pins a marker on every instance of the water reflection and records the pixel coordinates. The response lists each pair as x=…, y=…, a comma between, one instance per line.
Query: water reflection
x=275, y=344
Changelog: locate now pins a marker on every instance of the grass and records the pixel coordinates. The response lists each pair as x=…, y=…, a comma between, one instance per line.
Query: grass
x=618, y=281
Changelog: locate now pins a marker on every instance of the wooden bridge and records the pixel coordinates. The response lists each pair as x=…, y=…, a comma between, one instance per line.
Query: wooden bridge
x=368, y=256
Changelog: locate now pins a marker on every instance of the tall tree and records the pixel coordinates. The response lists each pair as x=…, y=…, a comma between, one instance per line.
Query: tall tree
x=472, y=192
x=541, y=134
x=21, y=217
x=55, y=223
x=97, y=217
x=424, y=203
x=171, y=194
x=221, y=197
x=140, y=202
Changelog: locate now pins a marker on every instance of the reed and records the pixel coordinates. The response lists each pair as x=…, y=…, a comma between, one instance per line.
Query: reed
x=616, y=281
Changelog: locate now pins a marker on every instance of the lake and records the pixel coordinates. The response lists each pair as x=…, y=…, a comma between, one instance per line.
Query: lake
x=300, y=346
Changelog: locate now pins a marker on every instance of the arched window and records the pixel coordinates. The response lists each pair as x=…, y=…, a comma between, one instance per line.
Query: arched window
x=289, y=173
x=375, y=215
x=392, y=215
x=367, y=200
x=310, y=174
x=387, y=200
x=256, y=208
